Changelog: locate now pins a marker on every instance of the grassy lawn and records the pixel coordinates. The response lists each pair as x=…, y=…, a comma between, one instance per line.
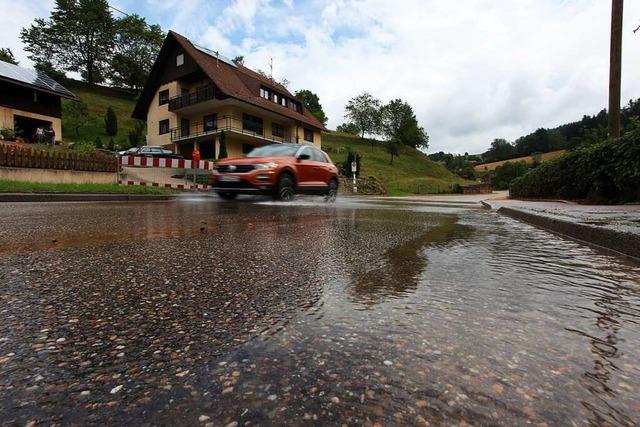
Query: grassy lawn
x=98, y=99
x=411, y=173
x=41, y=187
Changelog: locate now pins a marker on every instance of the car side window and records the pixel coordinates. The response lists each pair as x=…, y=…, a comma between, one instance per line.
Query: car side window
x=307, y=151
x=318, y=156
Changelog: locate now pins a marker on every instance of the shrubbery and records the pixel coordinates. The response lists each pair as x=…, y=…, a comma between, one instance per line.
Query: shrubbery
x=505, y=174
x=607, y=171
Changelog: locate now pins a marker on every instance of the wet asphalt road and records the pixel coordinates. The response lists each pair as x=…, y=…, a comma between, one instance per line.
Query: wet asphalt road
x=197, y=312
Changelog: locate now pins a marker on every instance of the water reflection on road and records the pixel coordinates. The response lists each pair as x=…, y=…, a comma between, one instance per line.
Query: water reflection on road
x=423, y=313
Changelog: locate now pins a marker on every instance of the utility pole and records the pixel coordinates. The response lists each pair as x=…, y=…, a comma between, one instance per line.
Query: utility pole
x=615, y=68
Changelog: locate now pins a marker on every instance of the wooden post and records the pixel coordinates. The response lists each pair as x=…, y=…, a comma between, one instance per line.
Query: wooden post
x=615, y=68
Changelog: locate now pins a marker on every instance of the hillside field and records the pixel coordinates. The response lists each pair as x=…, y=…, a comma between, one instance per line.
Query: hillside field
x=411, y=173
x=98, y=99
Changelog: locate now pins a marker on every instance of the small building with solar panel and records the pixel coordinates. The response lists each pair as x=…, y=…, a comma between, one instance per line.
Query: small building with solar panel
x=30, y=100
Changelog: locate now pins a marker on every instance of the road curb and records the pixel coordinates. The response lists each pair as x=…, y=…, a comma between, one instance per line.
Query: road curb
x=71, y=197
x=623, y=243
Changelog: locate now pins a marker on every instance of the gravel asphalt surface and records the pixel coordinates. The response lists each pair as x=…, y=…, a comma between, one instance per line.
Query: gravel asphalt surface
x=202, y=312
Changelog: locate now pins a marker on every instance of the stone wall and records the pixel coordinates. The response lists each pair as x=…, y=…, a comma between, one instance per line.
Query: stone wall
x=56, y=176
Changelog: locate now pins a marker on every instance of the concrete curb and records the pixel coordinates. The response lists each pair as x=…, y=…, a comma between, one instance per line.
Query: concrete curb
x=623, y=243
x=80, y=197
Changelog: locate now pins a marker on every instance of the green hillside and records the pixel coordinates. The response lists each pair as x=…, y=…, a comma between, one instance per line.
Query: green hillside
x=411, y=173
x=98, y=99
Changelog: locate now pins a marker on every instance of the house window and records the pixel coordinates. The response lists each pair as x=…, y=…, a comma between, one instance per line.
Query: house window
x=264, y=93
x=294, y=106
x=210, y=122
x=283, y=101
x=308, y=135
x=252, y=123
x=277, y=130
x=180, y=60
x=163, y=97
x=164, y=126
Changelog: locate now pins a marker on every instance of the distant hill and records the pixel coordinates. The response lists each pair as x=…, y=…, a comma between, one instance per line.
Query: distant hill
x=412, y=172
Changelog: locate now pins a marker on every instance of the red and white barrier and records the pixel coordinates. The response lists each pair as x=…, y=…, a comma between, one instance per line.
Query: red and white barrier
x=155, y=162
x=174, y=186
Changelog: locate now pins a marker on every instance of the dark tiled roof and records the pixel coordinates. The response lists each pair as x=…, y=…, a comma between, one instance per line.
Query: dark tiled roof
x=242, y=83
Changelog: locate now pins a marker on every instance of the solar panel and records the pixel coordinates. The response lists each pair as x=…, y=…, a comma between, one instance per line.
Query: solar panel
x=213, y=54
x=32, y=78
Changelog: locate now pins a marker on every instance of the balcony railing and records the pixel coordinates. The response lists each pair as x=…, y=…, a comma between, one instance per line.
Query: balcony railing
x=227, y=124
x=204, y=93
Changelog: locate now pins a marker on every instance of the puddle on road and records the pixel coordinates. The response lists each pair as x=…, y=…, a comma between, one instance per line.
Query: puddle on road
x=424, y=313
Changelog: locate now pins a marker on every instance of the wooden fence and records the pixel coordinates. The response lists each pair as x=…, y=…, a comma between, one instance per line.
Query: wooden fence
x=18, y=156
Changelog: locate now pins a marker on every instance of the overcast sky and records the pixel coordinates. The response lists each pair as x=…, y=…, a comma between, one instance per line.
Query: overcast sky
x=472, y=70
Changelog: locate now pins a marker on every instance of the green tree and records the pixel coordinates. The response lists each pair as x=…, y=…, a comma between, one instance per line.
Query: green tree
x=7, y=56
x=98, y=142
x=400, y=127
x=111, y=122
x=136, y=134
x=311, y=102
x=75, y=115
x=363, y=111
x=239, y=59
x=136, y=48
x=77, y=37
x=501, y=149
x=223, y=146
x=348, y=128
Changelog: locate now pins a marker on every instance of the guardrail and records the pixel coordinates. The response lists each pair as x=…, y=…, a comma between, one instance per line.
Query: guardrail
x=205, y=93
x=227, y=124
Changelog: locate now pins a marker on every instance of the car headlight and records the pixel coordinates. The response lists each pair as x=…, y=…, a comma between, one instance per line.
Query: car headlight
x=265, y=166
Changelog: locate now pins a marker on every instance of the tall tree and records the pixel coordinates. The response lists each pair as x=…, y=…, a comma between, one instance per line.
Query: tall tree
x=364, y=112
x=75, y=115
x=400, y=127
x=137, y=45
x=111, y=122
x=7, y=56
x=311, y=101
x=615, y=68
x=77, y=37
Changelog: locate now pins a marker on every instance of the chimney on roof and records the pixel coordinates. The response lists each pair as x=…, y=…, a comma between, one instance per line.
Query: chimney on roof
x=217, y=59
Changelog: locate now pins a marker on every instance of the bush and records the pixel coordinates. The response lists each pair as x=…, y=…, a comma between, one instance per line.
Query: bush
x=608, y=171
x=84, y=147
x=111, y=122
x=504, y=175
x=7, y=133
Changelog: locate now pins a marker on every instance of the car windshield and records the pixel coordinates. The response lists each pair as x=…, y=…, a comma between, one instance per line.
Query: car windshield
x=274, y=150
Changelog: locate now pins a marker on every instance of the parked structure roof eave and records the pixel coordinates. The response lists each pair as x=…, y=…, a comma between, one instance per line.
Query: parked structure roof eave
x=41, y=89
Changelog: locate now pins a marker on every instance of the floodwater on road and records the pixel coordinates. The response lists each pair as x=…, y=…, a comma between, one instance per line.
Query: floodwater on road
x=198, y=312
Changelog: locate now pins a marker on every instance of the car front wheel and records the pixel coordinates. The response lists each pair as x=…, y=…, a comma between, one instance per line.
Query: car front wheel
x=332, y=191
x=284, y=189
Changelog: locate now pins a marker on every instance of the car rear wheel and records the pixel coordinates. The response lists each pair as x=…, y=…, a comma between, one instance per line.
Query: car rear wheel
x=227, y=195
x=284, y=189
x=332, y=191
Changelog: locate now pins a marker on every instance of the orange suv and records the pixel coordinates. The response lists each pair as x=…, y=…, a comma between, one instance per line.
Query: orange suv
x=277, y=169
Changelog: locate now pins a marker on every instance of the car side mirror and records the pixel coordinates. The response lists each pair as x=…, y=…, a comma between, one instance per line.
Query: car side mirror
x=304, y=157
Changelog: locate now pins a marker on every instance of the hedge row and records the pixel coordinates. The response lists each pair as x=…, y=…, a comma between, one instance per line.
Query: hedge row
x=13, y=155
x=607, y=171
